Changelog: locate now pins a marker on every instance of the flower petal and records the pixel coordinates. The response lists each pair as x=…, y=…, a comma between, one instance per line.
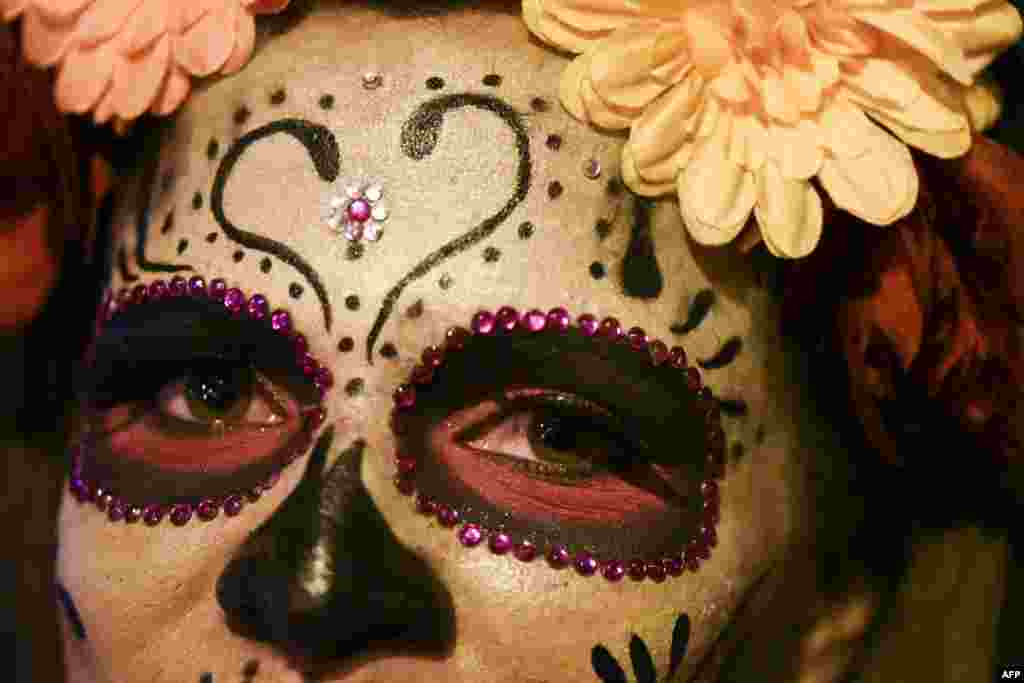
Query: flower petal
x=205, y=47
x=668, y=123
x=11, y=9
x=103, y=20
x=879, y=186
x=84, y=77
x=554, y=32
x=591, y=16
x=147, y=23
x=634, y=181
x=845, y=130
x=44, y=43
x=716, y=196
x=61, y=11
x=138, y=78
x=173, y=92
x=748, y=146
x=620, y=68
x=796, y=149
x=918, y=31
x=266, y=6
x=789, y=213
x=600, y=113
x=984, y=32
x=984, y=104
x=570, y=87
x=245, y=39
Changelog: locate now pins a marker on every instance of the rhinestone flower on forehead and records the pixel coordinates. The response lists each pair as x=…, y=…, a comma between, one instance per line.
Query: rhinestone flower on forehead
x=357, y=211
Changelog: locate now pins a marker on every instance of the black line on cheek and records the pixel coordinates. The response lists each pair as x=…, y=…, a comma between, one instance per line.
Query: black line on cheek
x=420, y=135
x=725, y=355
x=641, y=276
x=74, y=618
x=150, y=150
x=699, y=309
x=680, y=641
x=605, y=665
x=322, y=148
x=122, y=266
x=206, y=677
x=643, y=663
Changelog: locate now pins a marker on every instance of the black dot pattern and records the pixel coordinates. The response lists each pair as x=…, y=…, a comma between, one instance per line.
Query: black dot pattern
x=492, y=254
x=197, y=201
x=388, y=350
x=266, y=264
x=182, y=246
x=295, y=290
x=278, y=96
x=352, y=302
x=212, y=237
x=346, y=344
x=242, y=115
x=539, y=104
x=212, y=149
x=554, y=142
x=597, y=270
x=238, y=256
x=555, y=189
x=603, y=228
x=326, y=102
x=526, y=230
x=354, y=386
x=415, y=310
x=435, y=83
x=492, y=80
x=355, y=251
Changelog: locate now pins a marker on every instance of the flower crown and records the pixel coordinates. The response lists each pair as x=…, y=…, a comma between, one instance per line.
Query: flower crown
x=751, y=97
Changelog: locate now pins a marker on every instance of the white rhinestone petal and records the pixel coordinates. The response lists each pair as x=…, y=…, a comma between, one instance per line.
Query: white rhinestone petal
x=381, y=213
x=353, y=231
x=374, y=193
x=337, y=202
x=371, y=231
x=354, y=191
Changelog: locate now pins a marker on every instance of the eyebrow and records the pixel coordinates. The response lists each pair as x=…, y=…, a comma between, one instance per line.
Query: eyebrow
x=420, y=134
x=322, y=148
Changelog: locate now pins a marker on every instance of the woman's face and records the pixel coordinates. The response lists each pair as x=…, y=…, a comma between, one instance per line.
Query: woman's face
x=494, y=197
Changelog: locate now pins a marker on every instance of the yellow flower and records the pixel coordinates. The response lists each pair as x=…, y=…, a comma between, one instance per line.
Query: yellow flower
x=737, y=104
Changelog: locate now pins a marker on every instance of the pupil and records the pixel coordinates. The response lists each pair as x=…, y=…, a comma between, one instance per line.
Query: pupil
x=216, y=389
x=557, y=433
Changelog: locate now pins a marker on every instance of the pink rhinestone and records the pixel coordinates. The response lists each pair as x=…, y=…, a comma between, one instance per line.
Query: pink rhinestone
x=281, y=321
x=709, y=489
x=405, y=396
x=614, y=570
x=309, y=365
x=233, y=505
x=80, y=489
x=359, y=210
x=181, y=514
x=525, y=551
x=655, y=571
x=315, y=417
x=610, y=329
x=115, y=513
x=271, y=481
x=234, y=300
x=673, y=565
x=406, y=466
x=693, y=379
x=157, y=290
x=97, y=497
x=534, y=320
x=470, y=535
x=432, y=357
x=677, y=357
x=103, y=499
x=207, y=509
x=218, y=288
x=500, y=543
x=153, y=514
x=706, y=393
x=254, y=494
x=196, y=286
x=447, y=516
x=124, y=297
x=711, y=517
x=658, y=351
x=558, y=556
x=691, y=562
x=585, y=563
x=178, y=286
x=323, y=378
x=506, y=319
x=456, y=338
x=405, y=485
x=558, y=319
x=133, y=514
x=258, y=307
x=139, y=294
x=426, y=505
x=708, y=536
x=696, y=548
x=482, y=323
x=422, y=374
x=637, y=338
x=587, y=324
x=300, y=344
x=637, y=570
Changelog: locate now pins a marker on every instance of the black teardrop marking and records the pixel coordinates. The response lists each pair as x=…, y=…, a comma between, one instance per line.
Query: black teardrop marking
x=643, y=663
x=725, y=355
x=641, y=276
x=605, y=666
x=699, y=309
x=680, y=641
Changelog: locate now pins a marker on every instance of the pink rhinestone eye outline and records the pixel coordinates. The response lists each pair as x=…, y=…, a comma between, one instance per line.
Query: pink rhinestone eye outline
x=256, y=307
x=507, y=319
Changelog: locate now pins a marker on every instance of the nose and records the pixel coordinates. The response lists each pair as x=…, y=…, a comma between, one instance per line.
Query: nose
x=326, y=581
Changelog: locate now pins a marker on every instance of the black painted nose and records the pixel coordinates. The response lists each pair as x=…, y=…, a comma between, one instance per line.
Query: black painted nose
x=327, y=581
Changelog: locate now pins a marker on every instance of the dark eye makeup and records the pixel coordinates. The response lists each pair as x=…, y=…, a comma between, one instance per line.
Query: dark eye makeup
x=192, y=395
x=583, y=439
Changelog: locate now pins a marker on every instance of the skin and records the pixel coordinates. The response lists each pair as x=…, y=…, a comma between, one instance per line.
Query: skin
x=147, y=596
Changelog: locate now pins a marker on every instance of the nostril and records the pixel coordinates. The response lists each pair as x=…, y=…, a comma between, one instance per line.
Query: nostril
x=254, y=600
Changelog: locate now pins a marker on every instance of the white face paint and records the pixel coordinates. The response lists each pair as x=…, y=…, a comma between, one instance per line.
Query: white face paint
x=148, y=595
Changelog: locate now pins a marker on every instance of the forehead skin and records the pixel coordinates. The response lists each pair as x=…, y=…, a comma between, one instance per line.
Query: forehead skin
x=516, y=622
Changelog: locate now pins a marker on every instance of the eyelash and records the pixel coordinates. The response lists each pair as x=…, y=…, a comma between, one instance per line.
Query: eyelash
x=133, y=428
x=490, y=518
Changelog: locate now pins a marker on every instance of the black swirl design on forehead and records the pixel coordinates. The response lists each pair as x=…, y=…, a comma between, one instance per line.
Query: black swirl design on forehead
x=420, y=135
x=149, y=180
x=322, y=148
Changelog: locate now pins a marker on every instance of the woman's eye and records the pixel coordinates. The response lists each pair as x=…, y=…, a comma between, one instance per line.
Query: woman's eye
x=218, y=393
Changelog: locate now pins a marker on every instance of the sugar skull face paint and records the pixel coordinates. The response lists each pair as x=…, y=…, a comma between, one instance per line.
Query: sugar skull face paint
x=573, y=439
x=196, y=398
